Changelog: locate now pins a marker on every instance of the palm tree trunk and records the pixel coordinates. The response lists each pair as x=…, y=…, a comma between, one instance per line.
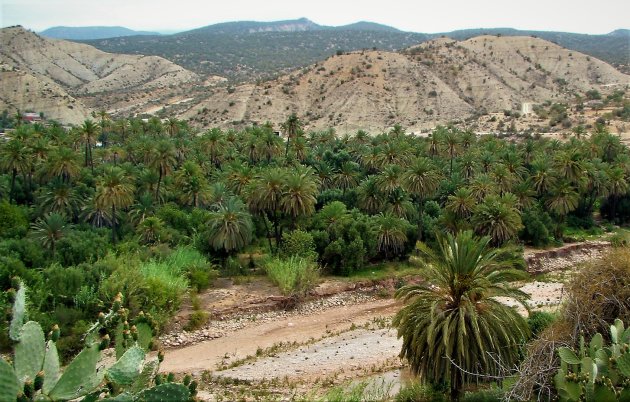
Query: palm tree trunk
x=113, y=224
x=86, y=154
x=157, y=189
x=268, y=234
x=12, y=193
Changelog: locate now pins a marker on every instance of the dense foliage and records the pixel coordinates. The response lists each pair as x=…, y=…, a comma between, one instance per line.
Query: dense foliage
x=153, y=208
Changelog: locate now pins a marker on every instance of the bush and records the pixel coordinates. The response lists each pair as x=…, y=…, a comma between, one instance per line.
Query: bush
x=298, y=243
x=198, y=269
x=196, y=320
x=486, y=395
x=537, y=227
x=539, y=320
x=13, y=221
x=79, y=246
x=417, y=391
x=295, y=276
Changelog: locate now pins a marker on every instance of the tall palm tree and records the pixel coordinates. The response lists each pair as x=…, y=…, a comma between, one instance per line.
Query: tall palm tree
x=482, y=186
x=292, y=127
x=113, y=191
x=89, y=133
x=452, y=326
x=230, y=227
x=298, y=194
x=562, y=198
x=162, y=159
x=451, y=143
x=49, y=230
x=150, y=230
x=13, y=158
x=390, y=179
x=264, y=197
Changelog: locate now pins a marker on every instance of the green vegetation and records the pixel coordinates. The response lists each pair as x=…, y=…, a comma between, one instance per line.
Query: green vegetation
x=295, y=276
x=36, y=373
x=596, y=372
x=159, y=210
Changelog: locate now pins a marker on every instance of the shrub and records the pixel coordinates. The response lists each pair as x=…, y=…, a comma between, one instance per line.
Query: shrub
x=537, y=227
x=419, y=392
x=539, y=320
x=295, y=276
x=298, y=243
x=13, y=221
x=79, y=246
x=196, y=320
x=198, y=269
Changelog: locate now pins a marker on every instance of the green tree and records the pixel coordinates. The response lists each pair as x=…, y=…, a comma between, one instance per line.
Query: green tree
x=391, y=234
x=89, y=133
x=114, y=192
x=162, y=159
x=230, y=227
x=49, y=230
x=498, y=217
x=13, y=158
x=452, y=326
x=298, y=194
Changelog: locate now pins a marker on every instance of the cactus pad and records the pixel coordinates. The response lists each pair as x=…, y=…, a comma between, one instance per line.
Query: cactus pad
x=127, y=368
x=143, y=381
x=51, y=367
x=80, y=376
x=29, y=351
x=165, y=392
x=9, y=386
x=19, y=313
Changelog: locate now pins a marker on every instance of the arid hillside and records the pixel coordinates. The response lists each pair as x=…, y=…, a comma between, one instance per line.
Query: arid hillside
x=68, y=69
x=435, y=82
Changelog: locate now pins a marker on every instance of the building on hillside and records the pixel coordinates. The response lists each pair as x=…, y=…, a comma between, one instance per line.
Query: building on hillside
x=31, y=117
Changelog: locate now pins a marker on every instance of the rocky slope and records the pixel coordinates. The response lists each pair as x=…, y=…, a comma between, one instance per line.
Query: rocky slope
x=73, y=69
x=432, y=83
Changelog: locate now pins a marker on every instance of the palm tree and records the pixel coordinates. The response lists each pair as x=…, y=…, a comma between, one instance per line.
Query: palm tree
x=49, y=230
x=562, y=198
x=461, y=203
x=292, y=128
x=543, y=178
x=369, y=196
x=264, y=196
x=452, y=326
x=150, y=230
x=399, y=204
x=498, y=218
x=390, y=179
x=61, y=198
x=142, y=209
x=618, y=185
x=230, y=227
x=213, y=145
x=298, y=194
x=192, y=185
x=13, y=159
x=482, y=186
x=89, y=133
x=113, y=191
x=391, y=234
x=451, y=142
x=347, y=177
x=421, y=179
x=162, y=159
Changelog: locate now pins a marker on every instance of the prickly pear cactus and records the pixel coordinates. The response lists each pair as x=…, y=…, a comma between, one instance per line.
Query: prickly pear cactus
x=165, y=392
x=596, y=372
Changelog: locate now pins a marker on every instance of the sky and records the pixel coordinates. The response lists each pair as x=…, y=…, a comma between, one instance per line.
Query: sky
x=594, y=17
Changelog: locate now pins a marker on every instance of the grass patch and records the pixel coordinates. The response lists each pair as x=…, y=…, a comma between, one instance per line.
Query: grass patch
x=391, y=269
x=295, y=276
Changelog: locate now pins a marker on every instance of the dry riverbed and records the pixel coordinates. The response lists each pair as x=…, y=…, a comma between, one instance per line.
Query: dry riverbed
x=331, y=340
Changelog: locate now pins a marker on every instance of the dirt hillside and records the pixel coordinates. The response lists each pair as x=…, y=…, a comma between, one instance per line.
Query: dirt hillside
x=436, y=82
x=76, y=70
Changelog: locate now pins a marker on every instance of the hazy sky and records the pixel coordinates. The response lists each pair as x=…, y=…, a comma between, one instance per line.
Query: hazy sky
x=601, y=16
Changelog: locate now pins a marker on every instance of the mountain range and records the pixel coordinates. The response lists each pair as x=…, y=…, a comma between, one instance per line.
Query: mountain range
x=247, y=50
x=88, y=33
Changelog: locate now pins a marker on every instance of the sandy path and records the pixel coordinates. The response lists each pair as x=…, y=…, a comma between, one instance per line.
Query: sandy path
x=209, y=354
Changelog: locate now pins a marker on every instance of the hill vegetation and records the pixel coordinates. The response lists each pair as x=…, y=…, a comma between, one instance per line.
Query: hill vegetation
x=249, y=50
